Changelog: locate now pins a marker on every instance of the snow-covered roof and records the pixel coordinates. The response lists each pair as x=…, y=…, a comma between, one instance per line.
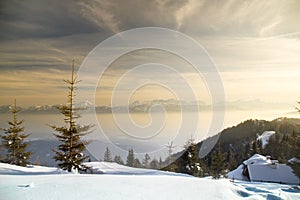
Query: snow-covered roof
x=257, y=159
x=261, y=168
x=277, y=173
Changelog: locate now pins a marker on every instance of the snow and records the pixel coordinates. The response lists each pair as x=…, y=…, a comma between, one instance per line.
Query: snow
x=265, y=136
x=119, y=182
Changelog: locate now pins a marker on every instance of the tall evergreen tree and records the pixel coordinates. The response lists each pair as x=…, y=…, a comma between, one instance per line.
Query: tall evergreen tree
x=72, y=145
x=218, y=164
x=231, y=160
x=13, y=141
x=130, y=158
x=107, y=155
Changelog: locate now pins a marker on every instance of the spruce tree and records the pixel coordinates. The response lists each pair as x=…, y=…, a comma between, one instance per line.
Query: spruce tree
x=171, y=165
x=154, y=164
x=13, y=141
x=130, y=158
x=146, y=161
x=118, y=160
x=231, y=160
x=191, y=160
x=137, y=163
x=72, y=145
x=218, y=164
x=107, y=155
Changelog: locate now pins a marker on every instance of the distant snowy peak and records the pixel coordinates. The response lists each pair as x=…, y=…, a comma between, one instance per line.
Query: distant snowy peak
x=265, y=137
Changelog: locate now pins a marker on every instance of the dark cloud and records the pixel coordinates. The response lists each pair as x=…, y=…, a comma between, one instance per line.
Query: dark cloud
x=42, y=19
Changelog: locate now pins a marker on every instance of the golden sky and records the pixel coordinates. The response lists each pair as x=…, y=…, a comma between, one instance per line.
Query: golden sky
x=255, y=45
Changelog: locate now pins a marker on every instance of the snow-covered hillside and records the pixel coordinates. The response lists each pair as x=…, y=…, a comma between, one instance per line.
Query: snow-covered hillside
x=120, y=182
x=265, y=136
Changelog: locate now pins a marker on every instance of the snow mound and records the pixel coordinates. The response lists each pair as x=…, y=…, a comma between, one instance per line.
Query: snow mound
x=8, y=169
x=265, y=136
x=114, y=168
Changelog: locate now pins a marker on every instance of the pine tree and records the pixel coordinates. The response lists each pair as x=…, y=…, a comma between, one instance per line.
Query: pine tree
x=118, y=160
x=130, y=158
x=13, y=141
x=137, y=163
x=154, y=164
x=107, y=155
x=231, y=160
x=255, y=147
x=160, y=163
x=70, y=150
x=218, y=165
x=171, y=165
x=191, y=159
x=146, y=161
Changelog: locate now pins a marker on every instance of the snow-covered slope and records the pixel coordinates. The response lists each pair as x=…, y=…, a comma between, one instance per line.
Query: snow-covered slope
x=265, y=136
x=114, y=168
x=119, y=182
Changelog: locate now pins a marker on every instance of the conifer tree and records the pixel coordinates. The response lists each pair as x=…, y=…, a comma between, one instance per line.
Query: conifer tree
x=118, y=160
x=72, y=145
x=154, y=164
x=107, y=155
x=255, y=147
x=13, y=141
x=160, y=163
x=146, y=161
x=231, y=160
x=218, y=165
x=191, y=158
x=137, y=163
x=130, y=158
x=171, y=165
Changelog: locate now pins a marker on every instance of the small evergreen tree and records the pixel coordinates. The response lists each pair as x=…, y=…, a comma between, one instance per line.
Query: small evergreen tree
x=107, y=155
x=146, y=161
x=218, y=164
x=154, y=164
x=191, y=159
x=70, y=150
x=160, y=163
x=255, y=147
x=130, y=158
x=118, y=160
x=13, y=141
x=137, y=163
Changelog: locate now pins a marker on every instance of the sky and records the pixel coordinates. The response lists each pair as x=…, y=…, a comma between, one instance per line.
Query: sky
x=254, y=44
